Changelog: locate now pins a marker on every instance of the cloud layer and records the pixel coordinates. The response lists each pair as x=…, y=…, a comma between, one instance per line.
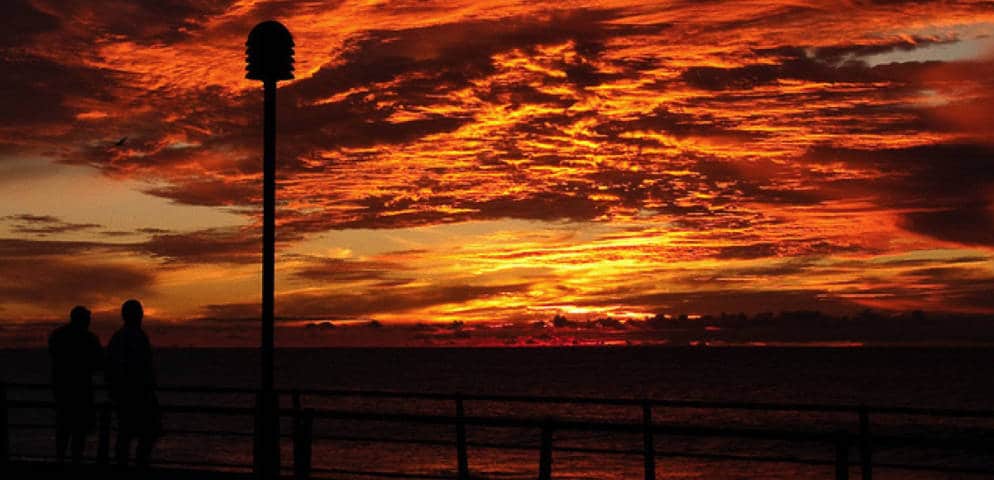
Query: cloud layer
x=500, y=162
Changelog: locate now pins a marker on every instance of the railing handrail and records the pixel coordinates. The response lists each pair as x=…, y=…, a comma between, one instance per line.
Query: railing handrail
x=674, y=429
x=608, y=401
x=842, y=439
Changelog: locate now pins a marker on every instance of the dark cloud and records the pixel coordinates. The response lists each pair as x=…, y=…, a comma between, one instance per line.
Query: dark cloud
x=24, y=22
x=514, y=95
x=147, y=22
x=378, y=212
x=541, y=206
x=336, y=269
x=29, y=218
x=756, y=250
x=454, y=53
x=395, y=300
x=965, y=224
x=717, y=301
x=911, y=262
x=794, y=64
x=230, y=313
x=680, y=124
x=206, y=246
x=360, y=127
x=787, y=249
x=57, y=281
x=840, y=53
x=23, y=248
x=255, y=12
x=946, y=186
x=348, y=305
x=35, y=92
x=214, y=193
x=45, y=225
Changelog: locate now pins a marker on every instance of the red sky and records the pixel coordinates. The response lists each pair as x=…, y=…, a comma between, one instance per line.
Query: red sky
x=497, y=162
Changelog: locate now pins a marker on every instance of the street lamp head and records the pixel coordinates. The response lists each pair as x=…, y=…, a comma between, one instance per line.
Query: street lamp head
x=269, y=52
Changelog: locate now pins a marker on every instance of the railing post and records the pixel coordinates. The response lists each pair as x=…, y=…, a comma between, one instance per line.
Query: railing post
x=545, y=455
x=103, y=435
x=462, y=459
x=266, y=448
x=303, y=427
x=4, y=426
x=647, y=440
x=865, y=444
x=842, y=456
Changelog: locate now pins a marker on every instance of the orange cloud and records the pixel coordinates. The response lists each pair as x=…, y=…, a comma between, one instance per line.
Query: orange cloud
x=612, y=157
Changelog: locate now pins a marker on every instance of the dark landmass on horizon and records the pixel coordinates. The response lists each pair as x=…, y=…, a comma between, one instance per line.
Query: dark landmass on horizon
x=789, y=328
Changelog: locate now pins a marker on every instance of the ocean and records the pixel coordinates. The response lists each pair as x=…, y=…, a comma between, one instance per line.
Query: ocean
x=912, y=377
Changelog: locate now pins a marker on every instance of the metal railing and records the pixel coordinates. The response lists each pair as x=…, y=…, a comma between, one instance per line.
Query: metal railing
x=302, y=435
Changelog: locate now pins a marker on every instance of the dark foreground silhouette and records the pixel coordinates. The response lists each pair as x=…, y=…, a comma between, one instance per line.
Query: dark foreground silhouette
x=76, y=356
x=130, y=378
x=46, y=471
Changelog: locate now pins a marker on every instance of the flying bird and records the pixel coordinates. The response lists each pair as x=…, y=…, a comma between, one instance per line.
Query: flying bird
x=121, y=142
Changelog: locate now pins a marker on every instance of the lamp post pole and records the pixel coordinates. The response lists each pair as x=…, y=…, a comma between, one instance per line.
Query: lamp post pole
x=268, y=233
x=269, y=54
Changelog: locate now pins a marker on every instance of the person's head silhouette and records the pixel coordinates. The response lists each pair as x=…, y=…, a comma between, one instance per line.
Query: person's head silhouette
x=79, y=317
x=132, y=313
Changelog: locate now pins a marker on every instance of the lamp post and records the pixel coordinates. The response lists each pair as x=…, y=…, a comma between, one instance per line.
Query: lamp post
x=269, y=57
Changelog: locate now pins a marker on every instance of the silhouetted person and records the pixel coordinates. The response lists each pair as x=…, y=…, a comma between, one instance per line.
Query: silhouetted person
x=76, y=355
x=131, y=380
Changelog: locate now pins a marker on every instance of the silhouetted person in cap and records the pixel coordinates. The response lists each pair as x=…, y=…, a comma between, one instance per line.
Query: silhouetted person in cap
x=131, y=379
x=76, y=355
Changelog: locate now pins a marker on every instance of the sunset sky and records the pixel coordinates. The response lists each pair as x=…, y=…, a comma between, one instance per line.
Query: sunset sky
x=496, y=163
